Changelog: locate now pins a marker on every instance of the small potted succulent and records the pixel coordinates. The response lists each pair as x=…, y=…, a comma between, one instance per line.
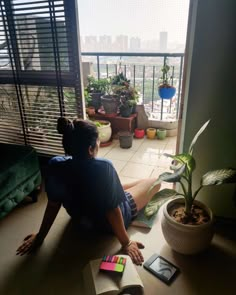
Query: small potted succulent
x=187, y=224
x=165, y=89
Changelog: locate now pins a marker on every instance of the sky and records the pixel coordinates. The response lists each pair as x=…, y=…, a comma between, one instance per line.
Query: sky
x=138, y=18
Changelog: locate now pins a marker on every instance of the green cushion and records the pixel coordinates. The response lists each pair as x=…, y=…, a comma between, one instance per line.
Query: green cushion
x=18, y=194
x=18, y=164
x=19, y=175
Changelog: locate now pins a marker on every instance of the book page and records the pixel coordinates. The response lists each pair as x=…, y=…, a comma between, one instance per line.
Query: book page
x=88, y=281
x=130, y=277
x=103, y=281
x=108, y=283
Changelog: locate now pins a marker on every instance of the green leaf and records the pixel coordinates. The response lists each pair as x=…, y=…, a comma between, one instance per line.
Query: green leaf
x=175, y=166
x=158, y=199
x=150, y=210
x=196, y=137
x=218, y=177
x=169, y=177
x=184, y=159
x=163, y=194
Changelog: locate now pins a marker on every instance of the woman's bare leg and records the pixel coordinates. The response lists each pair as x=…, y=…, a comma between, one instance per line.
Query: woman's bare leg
x=131, y=184
x=140, y=194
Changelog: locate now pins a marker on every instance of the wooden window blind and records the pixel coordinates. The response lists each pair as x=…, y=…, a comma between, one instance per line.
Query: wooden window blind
x=40, y=72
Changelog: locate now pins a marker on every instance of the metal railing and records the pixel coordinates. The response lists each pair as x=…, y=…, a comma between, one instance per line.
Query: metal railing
x=144, y=72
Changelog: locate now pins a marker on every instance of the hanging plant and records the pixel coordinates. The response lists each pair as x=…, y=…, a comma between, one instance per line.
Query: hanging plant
x=166, y=90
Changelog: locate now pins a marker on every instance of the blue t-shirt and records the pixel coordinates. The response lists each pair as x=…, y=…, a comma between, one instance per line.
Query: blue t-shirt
x=86, y=188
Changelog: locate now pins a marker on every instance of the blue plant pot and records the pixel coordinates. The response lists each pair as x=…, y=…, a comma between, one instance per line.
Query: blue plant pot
x=166, y=92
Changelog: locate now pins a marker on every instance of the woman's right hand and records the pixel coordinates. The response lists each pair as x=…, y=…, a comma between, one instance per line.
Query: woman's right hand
x=29, y=244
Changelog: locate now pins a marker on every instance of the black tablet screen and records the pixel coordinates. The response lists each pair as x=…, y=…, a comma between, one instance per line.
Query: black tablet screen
x=163, y=268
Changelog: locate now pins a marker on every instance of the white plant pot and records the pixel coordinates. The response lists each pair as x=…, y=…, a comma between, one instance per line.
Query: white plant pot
x=184, y=238
x=104, y=131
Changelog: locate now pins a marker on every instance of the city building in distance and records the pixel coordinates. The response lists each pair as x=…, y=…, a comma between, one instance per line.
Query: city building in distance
x=124, y=43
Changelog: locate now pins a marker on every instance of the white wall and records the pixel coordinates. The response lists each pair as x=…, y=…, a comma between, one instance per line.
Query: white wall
x=211, y=93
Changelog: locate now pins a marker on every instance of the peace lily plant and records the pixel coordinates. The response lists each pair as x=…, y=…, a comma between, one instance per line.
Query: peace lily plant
x=183, y=166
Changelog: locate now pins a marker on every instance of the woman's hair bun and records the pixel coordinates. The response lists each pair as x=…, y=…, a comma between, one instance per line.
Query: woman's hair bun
x=63, y=125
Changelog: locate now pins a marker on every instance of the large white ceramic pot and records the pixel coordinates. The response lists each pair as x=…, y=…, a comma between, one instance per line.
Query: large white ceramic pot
x=184, y=238
x=104, y=131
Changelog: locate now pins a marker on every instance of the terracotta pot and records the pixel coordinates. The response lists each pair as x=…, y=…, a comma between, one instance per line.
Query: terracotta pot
x=90, y=111
x=151, y=133
x=185, y=238
x=139, y=133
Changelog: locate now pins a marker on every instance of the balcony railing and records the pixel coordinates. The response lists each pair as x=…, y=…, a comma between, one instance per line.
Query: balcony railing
x=144, y=72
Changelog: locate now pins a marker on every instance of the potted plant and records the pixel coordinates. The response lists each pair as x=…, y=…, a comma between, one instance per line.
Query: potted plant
x=165, y=89
x=96, y=88
x=120, y=80
x=104, y=131
x=120, y=95
x=90, y=110
x=187, y=224
x=128, y=94
x=128, y=98
x=110, y=101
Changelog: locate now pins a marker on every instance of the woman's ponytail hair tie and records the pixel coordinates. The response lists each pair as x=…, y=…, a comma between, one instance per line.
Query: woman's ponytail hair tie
x=64, y=125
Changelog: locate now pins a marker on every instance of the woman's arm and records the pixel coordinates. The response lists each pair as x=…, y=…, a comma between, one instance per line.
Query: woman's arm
x=131, y=248
x=33, y=241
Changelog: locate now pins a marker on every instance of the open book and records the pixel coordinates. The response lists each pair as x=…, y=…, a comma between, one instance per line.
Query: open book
x=97, y=282
x=143, y=221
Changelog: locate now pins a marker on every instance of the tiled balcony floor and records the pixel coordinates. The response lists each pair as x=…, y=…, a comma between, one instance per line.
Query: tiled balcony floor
x=143, y=160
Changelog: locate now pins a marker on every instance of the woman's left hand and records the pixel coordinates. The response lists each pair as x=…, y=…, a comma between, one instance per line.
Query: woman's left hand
x=133, y=251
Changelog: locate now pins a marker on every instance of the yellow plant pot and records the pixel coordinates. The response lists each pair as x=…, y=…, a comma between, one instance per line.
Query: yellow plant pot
x=151, y=133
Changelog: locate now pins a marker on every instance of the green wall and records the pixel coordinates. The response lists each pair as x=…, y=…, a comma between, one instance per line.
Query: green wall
x=210, y=92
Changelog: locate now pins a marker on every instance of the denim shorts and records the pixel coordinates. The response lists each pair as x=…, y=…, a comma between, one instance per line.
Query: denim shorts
x=128, y=209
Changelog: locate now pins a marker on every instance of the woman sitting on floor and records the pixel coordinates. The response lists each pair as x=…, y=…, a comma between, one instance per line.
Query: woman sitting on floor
x=90, y=189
